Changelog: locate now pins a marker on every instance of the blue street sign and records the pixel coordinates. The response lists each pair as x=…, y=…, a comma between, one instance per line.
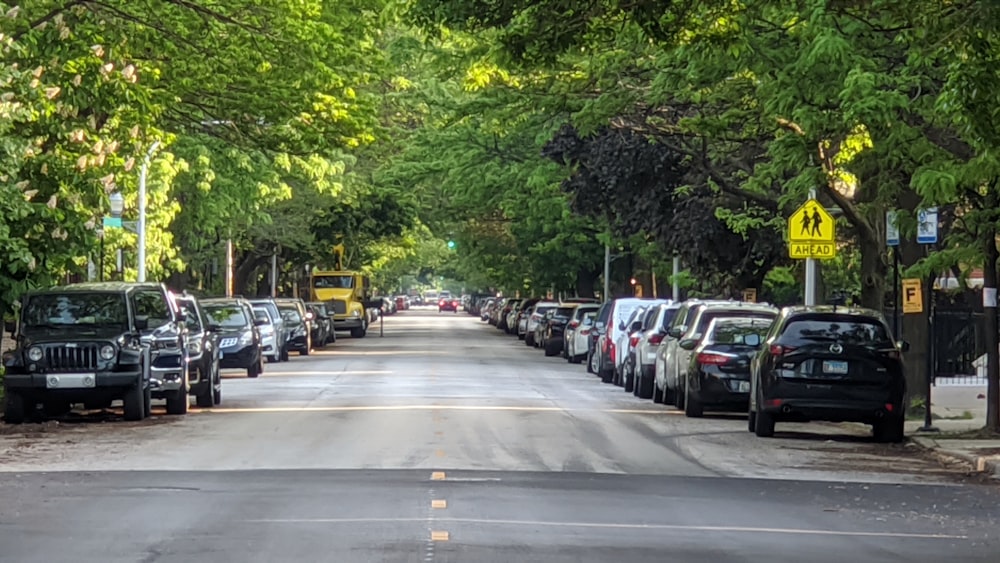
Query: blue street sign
x=891, y=229
x=113, y=222
x=927, y=226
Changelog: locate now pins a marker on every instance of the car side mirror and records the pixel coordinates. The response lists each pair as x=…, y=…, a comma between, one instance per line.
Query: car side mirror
x=688, y=343
x=142, y=322
x=621, y=325
x=674, y=333
x=903, y=346
x=636, y=326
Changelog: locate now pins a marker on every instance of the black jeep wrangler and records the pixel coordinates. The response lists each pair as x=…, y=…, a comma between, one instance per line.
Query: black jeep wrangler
x=78, y=344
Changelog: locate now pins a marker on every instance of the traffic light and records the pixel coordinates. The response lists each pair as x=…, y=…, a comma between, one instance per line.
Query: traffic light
x=451, y=244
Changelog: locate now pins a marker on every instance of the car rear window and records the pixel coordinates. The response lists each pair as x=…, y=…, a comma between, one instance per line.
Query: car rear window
x=565, y=312
x=668, y=318
x=542, y=309
x=734, y=331
x=708, y=316
x=851, y=330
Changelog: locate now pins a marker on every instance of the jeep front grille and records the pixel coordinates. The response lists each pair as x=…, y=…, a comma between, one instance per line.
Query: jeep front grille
x=339, y=307
x=69, y=358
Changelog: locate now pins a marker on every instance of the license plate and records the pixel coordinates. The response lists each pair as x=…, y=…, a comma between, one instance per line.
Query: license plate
x=70, y=381
x=835, y=367
x=744, y=387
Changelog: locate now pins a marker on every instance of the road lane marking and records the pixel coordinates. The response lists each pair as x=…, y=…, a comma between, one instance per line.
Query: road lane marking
x=435, y=407
x=618, y=526
x=438, y=476
x=439, y=503
x=439, y=453
x=326, y=373
x=439, y=535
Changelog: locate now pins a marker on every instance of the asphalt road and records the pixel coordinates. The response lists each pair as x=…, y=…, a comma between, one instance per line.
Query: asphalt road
x=445, y=440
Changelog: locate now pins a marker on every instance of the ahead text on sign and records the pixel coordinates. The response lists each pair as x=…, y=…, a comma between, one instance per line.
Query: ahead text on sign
x=811, y=250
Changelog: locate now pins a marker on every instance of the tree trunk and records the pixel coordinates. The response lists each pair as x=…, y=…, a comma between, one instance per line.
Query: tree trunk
x=244, y=271
x=585, y=280
x=874, y=272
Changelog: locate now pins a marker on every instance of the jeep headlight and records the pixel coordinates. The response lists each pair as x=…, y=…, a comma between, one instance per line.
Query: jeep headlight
x=34, y=353
x=107, y=352
x=246, y=339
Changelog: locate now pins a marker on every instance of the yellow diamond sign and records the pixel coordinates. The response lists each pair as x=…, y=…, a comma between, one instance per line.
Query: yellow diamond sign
x=811, y=232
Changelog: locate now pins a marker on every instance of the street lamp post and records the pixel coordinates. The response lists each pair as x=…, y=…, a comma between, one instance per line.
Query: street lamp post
x=141, y=228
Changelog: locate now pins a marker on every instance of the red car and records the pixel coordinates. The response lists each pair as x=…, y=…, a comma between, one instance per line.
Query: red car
x=448, y=305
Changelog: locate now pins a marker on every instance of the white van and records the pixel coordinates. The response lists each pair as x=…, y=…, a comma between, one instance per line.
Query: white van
x=606, y=353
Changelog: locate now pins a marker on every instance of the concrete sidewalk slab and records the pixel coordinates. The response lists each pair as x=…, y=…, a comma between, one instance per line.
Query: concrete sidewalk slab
x=982, y=455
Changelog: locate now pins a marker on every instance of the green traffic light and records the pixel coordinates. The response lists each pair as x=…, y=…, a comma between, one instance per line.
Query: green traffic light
x=451, y=244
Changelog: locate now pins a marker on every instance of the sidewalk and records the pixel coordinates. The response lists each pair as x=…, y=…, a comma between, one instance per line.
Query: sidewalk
x=957, y=410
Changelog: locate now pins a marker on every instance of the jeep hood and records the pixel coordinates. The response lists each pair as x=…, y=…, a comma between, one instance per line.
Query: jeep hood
x=330, y=293
x=71, y=333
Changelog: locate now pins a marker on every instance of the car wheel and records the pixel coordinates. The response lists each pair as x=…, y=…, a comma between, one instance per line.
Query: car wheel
x=15, y=411
x=889, y=430
x=217, y=388
x=629, y=383
x=204, y=399
x=645, y=387
x=284, y=353
x=657, y=393
x=133, y=403
x=272, y=359
x=308, y=348
x=550, y=350
x=147, y=402
x=255, y=370
x=529, y=339
x=764, y=424
x=752, y=421
x=590, y=362
x=692, y=406
x=679, y=396
x=178, y=403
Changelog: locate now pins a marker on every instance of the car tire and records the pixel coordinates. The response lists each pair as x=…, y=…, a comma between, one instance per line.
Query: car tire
x=178, y=404
x=645, y=387
x=764, y=424
x=692, y=406
x=678, y=395
x=284, y=353
x=16, y=410
x=255, y=370
x=657, y=393
x=590, y=361
x=204, y=399
x=147, y=402
x=550, y=350
x=752, y=421
x=529, y=339
x=629, y=383
x=889, y=430
x=134, y=403
x=272, y=359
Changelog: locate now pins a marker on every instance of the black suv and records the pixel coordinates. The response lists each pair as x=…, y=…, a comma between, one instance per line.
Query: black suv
x=829, y=363
x=235, y=325
x=293, y=312
x=85, y=343
x=203, y=355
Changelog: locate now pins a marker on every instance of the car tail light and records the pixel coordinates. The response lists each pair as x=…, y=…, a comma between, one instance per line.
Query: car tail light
x=779, y=350
x=585, y=332
x=633, y=341
x=611, y=351
x=574, y=324
x=707, y=358
x=442, y=302
x=656, y=338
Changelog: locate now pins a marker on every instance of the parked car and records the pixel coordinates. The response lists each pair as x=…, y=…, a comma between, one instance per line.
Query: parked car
x=522, y=316
x=448, y=304
x=596, y=335
x=628, y=339
x=166, y=335
x=78, y=344
x=629, y=369
x=644, y=353
x=322, y=324
x=236, y=326
x=606, y=355
x=552, y=341
x=578, y=331
x=718, y=373
x=829, y=363
x=204, y=377
x=294, y=313
x=538, y=312
x=281, y=332
x=268, y=333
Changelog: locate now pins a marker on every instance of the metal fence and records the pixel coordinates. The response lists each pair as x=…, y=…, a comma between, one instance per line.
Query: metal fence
x=959, y=341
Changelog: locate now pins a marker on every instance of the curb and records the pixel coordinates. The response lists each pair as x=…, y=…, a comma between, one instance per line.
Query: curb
x=980, y=464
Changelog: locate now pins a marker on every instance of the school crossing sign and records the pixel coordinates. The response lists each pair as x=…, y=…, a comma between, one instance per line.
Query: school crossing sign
x=811, y=232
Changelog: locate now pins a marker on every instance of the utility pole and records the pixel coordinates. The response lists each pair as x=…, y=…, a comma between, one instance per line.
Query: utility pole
x=676, y=278
x=229, y=267
x=607, y=272
x=811, y=273
x=274, y=274
x=142, y=212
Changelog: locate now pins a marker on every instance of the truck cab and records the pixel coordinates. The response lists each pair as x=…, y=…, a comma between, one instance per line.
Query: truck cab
x=346, y=292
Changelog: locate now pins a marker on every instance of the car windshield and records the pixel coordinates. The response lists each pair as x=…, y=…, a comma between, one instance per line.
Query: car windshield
x=291, y=316
x=191, y=319
x=843, y=329
x=333, y=282
x=735, y=331
x=74, y=310
x=226, y=316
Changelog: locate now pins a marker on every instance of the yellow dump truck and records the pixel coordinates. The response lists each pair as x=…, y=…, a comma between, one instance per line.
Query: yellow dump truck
x=347, y=292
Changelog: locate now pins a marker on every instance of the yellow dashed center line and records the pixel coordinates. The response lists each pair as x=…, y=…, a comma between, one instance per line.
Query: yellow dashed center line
x=439, y=503
x=433, y=407
x=439, y=535
x=438, y=476
x=439, y=453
